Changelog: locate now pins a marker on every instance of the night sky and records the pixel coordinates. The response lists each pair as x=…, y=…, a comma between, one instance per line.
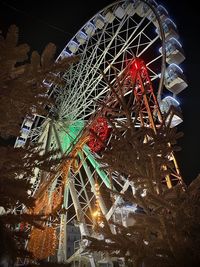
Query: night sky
x=41, y=22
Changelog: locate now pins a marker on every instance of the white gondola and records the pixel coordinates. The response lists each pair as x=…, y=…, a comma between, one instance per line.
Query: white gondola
x=109, y=17
x=162, y=12
x=119, y=12
x=174, y=51
x=99, y=22
x=25, y=132
x=64, y=54
x=73, y=46
x=170, y=29
x=20, y=142
x=129, y=9
x=90, y=29
x=81, y=37
x=175, y=80
x=28, y=122
x=141, y=9
x=168, y=103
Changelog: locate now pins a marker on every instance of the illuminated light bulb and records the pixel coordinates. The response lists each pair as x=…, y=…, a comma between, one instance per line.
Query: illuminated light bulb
x=176, y=66
x=95, y=213
x=136, y=65
x=175, y=40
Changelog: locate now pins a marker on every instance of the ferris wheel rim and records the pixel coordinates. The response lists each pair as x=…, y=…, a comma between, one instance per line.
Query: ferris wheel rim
x=162, y=37
x=100, y=12
x=152, y=5
x=125, y=185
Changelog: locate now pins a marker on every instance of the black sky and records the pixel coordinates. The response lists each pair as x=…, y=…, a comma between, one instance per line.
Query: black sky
x=41, y=22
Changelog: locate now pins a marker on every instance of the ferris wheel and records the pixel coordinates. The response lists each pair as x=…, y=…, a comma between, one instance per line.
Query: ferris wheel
x=118, y=35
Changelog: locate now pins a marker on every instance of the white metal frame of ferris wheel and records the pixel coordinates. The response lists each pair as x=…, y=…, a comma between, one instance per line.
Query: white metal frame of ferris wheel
x=115, y=42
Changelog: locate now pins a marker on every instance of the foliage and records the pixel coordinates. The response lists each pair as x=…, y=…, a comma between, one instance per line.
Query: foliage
x=16, y=168
x=165, y=234
x=48, y=264
x=24, y=83
x=22, y=90
x=164, y=229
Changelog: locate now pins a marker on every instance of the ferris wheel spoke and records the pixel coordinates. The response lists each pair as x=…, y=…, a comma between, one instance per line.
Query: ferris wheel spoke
x=107, y=48
x=98, y=62
x=152, y=74
x=71, y=219
x=83, y=228
x=48, y=138
x=152, y=61
x=148, y=46
x=87, y=102
x=38, y=132
x=90, y=176
x=67, y=107
x=83, y=199
x=94, y=163
x=90, y=86
x=132, y=37
x=117, y=200
x=125, y=45
x=89, y=68
x=86, y=195
x=85, y=205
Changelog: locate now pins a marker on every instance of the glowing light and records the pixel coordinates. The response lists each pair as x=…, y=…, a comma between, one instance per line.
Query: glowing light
x=99, y=133
x=168, y=21
x=173, y=65
x=171, y=99
x=136, y=65
x=176, y=41
x=95, y=213
x=160, y=7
